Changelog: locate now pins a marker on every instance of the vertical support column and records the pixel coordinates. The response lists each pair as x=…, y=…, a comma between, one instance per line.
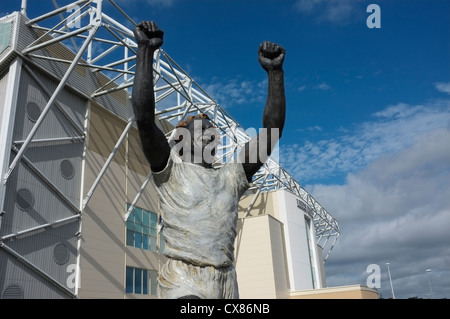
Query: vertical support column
x=125, y=67
x=23, y=7
x=89, y=49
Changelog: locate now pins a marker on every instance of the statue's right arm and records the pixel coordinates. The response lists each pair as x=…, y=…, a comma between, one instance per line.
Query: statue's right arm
x=154, y=143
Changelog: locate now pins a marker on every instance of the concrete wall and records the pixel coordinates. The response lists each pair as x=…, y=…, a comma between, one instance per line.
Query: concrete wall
x=297, y=254
x=260, y=265
x=265, y=203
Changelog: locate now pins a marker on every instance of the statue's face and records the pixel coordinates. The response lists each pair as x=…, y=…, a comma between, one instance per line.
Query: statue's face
x=203, y=135
x=197, y=142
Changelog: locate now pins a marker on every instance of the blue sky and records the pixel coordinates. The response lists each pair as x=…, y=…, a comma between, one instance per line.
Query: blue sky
x=368, y=115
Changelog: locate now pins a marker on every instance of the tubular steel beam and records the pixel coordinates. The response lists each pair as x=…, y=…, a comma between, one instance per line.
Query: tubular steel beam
x=55, y=12
x=43, y=226
x=138, y=196
x=50, y=103
x=108, y=161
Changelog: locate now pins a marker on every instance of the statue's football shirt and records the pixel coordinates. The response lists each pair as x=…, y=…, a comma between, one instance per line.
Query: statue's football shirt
x=199, y=207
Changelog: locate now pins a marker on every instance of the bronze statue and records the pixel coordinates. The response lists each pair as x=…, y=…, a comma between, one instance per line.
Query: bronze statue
x=199, y=203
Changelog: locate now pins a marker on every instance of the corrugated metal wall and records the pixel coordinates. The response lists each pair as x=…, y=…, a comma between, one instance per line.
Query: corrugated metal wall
x=32, y=201
x=81, y=79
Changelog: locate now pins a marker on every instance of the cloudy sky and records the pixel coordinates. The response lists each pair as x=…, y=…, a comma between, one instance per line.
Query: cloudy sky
x=368, y=115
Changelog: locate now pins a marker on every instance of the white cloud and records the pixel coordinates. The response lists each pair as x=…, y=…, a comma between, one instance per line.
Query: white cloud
x=323, y=86
x=395, y=210
x=393, y=129
x=315, y=128
x=334, y=11
x=443, y=87
x=394, y=205
x=229, y=93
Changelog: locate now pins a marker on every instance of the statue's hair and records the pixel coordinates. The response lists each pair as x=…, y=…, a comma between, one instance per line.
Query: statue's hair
x=193, y=117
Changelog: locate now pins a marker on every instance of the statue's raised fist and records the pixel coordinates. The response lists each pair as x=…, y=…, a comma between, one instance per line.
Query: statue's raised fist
x=271, y=55
x=148, y=33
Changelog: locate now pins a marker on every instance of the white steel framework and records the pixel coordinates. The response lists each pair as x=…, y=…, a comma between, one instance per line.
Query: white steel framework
x=85, y=26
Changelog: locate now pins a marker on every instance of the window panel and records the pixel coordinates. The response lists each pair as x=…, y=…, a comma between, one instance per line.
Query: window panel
x=145, y=242
x=130, y=237
x=138, y=240
x=142, y=230
x=131, y=216
x=153, y=244
x=153, y=281
x=141, y=281
x=138, y=216
x=153, y=219
x=146, y=218
x=130, y=225
x=144, y=282
x=129, y=280
x=137, y=280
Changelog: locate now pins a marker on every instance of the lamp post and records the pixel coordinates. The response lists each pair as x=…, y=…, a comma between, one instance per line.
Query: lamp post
x=390, y=280
x=429, y=281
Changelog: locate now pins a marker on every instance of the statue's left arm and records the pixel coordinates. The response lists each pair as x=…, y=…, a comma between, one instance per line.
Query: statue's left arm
x=258, y=149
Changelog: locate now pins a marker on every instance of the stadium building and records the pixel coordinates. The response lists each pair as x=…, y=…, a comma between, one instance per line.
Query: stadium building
x=79, y=215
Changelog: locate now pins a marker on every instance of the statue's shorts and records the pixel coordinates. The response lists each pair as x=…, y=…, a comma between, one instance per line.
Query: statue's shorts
x=178, y=279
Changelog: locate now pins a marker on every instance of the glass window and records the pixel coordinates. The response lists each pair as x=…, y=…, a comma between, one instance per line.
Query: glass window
x=145, y=282
x=142, y=230
x=145, y=242
x=137, y=280
x=5, y=33
x=130, y=237
x=137, y=240
x=137, y=216
x=153, y=243
x=140, y=281
x=146, y=219
x=129, y=280
x=153, y=221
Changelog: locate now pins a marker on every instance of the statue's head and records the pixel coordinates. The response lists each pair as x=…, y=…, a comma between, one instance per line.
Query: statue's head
x=196, y=139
